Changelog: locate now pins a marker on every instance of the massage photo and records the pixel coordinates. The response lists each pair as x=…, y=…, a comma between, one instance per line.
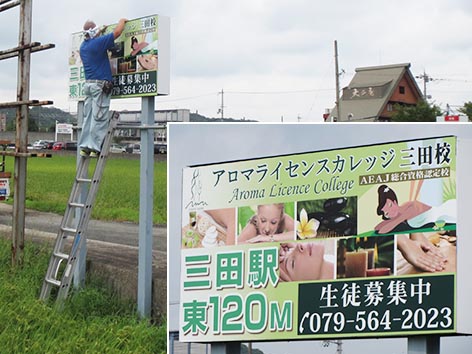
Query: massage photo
x=266, y=223
x=313, y=260
x=415, y=213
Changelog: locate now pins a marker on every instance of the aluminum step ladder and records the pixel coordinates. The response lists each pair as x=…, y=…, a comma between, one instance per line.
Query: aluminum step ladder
x=75, y=221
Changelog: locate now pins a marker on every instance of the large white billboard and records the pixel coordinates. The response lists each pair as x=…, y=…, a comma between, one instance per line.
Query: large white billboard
x=351, y=242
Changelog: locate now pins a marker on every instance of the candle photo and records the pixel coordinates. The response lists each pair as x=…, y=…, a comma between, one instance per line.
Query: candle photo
x=356, y=264
x=371, y=258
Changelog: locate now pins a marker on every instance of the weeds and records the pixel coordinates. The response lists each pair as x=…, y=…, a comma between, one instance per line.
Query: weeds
x=93, y=321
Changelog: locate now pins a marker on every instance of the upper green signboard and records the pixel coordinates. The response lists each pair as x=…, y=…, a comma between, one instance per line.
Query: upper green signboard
x=139, y=61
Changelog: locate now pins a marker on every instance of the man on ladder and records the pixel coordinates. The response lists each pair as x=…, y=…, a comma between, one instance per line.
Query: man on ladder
x=97, y=134
x=98, y=85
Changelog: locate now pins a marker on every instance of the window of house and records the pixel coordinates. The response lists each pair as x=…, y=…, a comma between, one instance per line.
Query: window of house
x=402, y=90
x=389, y=107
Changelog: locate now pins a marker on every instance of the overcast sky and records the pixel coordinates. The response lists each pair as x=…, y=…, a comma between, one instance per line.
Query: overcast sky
x=273, y=59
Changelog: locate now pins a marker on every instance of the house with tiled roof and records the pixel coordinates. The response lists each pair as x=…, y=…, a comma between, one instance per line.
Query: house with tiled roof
x=373, y=92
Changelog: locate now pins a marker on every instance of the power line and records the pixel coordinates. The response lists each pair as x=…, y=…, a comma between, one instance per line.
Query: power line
x=187, y=98
x=277, y=92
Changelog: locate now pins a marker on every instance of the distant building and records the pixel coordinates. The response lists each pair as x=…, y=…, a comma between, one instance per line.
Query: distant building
x=373, y=92
x=161, y=118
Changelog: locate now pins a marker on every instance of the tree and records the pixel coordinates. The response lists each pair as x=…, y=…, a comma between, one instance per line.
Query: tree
x=422, y=112
x=467, y=110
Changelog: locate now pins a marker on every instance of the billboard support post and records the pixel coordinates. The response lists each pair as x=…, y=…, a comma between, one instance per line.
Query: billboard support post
x=226, y=348
x=79, y=272
x=424, y=344
x=145, y=208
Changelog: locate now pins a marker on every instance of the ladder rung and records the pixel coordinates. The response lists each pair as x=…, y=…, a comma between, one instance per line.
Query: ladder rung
x=77, y=205
x=53, y=281
x=61, y=255
x=69, y=230
x=84, y=180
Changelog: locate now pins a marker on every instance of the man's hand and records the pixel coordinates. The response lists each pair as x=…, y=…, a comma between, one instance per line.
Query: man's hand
x=119, y=28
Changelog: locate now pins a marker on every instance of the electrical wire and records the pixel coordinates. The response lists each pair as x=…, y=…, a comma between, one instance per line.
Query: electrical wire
x=277, y=92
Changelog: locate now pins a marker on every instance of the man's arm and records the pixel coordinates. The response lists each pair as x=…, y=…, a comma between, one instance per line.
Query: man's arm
x=119, y=28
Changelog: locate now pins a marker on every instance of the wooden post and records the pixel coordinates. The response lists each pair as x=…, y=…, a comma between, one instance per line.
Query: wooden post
x=23, y=90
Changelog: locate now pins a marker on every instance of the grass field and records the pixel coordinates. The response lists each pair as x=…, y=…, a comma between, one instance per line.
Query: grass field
x=91, y=322
x=49, y=182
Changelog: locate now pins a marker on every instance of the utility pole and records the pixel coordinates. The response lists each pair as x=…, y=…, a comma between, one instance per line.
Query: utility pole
x=426, y=78
x=336, y=68
x=221, y=109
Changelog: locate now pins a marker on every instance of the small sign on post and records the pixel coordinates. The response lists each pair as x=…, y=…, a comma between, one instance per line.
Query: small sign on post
x=453, y=118
x=4, y=176
x=64, y=128
x=4, y=185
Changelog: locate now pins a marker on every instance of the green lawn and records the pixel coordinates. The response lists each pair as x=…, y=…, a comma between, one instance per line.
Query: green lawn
x=49, y=182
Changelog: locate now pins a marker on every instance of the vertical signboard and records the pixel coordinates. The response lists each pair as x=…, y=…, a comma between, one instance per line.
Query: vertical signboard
x=340, y=243
x=140, y=60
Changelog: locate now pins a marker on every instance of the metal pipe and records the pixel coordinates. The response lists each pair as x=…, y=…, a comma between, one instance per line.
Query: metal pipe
x=145, y=209
x=27, y=103
x=9, y=6
x=23, y=154
x=140, y=127
x=34, y=49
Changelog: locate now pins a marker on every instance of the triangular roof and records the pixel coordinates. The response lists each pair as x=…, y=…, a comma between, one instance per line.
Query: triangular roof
x=371, y=88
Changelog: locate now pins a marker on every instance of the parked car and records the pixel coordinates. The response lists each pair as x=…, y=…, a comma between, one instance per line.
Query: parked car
x=133, y=148
x=70, y=145
x=49, y=144
x=59, y=145
x=40, y=144
x=160, y=148
x=117, y=149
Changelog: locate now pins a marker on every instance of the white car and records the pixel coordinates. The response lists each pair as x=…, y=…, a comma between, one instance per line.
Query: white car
x=39, y=144
x=117, y=149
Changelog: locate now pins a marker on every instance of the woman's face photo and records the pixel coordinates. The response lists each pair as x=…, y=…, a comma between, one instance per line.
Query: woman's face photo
x=390, y=209
x=304, y=262
x=268, y=219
